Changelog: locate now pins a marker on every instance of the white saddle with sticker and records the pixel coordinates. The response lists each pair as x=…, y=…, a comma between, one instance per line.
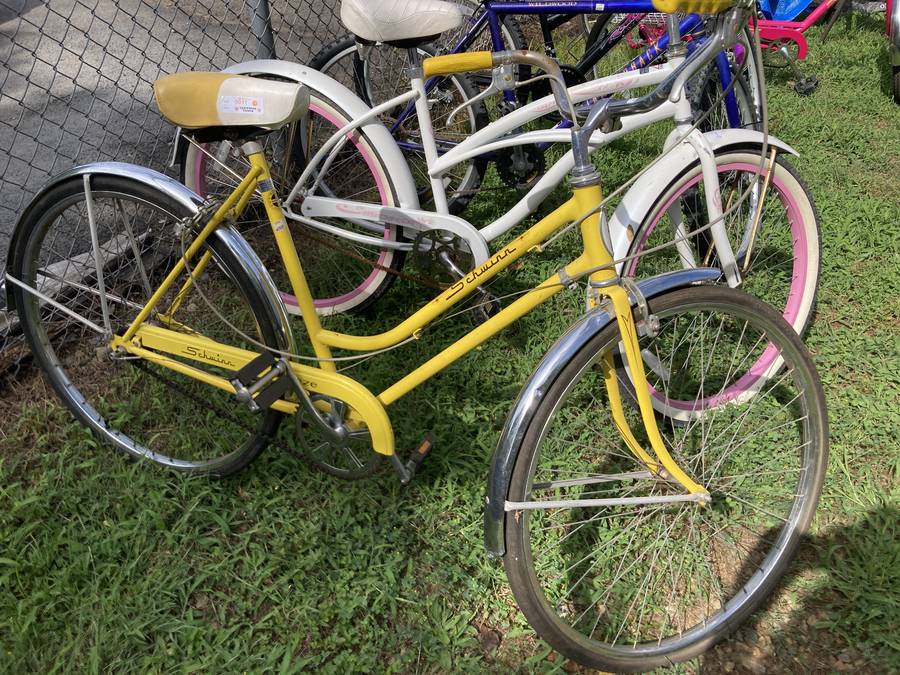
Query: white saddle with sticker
x=197, y=100
x=399, y=21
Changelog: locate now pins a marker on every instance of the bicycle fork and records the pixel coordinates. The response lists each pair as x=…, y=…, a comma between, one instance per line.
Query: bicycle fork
x=714, y=209
x=605, y=283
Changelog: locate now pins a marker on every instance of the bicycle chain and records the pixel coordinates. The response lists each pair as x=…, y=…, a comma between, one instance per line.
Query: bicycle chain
x=226, y=414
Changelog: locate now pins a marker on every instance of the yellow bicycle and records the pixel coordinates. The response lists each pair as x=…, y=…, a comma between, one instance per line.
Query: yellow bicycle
x=628, y=545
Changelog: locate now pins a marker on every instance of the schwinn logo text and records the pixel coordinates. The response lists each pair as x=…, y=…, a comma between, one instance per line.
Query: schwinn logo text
x=474, y=275
x=203, y=355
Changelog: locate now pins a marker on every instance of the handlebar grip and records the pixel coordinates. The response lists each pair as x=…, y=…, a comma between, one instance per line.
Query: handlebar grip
x=457, y=63
x=692, y=6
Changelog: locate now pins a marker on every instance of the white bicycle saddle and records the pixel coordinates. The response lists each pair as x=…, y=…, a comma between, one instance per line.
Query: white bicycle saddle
x=403, y=22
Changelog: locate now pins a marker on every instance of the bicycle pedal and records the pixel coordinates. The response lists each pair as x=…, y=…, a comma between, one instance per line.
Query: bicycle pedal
x=250, y=372
x=487, y=306
x=262, y=382
x=418, y=455
x=807, y=85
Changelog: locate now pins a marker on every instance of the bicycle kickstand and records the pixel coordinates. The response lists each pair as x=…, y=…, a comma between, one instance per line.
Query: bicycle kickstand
x=805, y=84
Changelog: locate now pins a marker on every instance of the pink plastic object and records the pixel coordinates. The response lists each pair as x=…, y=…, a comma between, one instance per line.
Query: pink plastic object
x=773, y=33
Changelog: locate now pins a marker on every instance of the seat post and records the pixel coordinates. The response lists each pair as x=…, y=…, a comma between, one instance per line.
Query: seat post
x=429, y=146
x=414, y=58
x=250, y=148
x=289, y=256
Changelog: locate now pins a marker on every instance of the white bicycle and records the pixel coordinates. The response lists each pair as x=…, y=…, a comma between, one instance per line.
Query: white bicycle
x=357, y=204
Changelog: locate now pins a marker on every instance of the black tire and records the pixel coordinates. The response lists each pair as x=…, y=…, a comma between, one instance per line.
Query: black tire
x=709, y=93
x=743, y=546
x=377, y=79
x=144, y=410
x=896, y=84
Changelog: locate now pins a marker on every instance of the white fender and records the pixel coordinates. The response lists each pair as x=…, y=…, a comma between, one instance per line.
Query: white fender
x=376, y=133
x=641, y=197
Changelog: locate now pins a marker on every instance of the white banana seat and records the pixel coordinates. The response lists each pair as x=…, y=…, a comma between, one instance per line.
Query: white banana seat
x=399, y=22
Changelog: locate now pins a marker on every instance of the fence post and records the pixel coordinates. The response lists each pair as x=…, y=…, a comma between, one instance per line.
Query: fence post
x=261, y=28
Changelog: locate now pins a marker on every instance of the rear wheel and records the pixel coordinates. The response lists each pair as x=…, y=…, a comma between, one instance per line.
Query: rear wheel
x=343, y=275
x=637, y=584
x=144, y=409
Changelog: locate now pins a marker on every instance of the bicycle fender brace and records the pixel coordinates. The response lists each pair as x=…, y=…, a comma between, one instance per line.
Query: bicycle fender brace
x=519, y=418
x=170, y=187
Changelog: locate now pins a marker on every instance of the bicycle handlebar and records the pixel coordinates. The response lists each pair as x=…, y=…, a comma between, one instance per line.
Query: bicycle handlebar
x=722, y=38
x=734, y=17
x=546, y=63
x=449, y=64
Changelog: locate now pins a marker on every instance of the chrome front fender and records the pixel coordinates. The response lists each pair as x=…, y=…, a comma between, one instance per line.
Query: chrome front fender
x=517, y=422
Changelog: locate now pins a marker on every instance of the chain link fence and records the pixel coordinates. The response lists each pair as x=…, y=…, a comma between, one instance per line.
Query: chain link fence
x=76, y=85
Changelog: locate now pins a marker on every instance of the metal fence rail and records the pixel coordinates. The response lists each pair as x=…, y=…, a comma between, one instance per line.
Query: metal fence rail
x=76, y=81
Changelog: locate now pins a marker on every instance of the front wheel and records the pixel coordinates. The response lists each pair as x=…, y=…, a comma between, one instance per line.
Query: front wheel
x=778, y=256
x=627, y=585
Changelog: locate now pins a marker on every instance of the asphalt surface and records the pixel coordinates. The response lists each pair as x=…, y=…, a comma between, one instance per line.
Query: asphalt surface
x=76, y=78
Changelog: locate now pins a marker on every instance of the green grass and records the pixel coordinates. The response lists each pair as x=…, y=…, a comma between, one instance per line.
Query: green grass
x=108, y=565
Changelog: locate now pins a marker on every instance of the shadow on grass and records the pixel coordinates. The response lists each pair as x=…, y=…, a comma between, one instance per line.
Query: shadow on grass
x=846, y=613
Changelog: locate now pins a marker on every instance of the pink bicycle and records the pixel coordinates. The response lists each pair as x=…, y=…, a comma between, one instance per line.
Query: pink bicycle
x=781, y=34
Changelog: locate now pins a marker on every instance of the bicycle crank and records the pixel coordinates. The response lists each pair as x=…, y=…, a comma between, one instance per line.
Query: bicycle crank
x=325, y=438
x=335, y=448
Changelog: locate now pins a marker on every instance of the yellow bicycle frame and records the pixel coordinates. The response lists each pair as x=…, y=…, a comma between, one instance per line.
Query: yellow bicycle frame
x=160, y=344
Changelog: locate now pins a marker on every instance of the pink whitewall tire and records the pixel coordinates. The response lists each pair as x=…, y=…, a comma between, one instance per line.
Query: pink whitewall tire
x=784, y=261
x=343, y=276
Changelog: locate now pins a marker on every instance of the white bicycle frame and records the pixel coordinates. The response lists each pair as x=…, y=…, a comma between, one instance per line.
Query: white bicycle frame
x=686, y=147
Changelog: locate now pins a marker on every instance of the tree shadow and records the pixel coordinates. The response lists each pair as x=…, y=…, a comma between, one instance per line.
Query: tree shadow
x=842, y=618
